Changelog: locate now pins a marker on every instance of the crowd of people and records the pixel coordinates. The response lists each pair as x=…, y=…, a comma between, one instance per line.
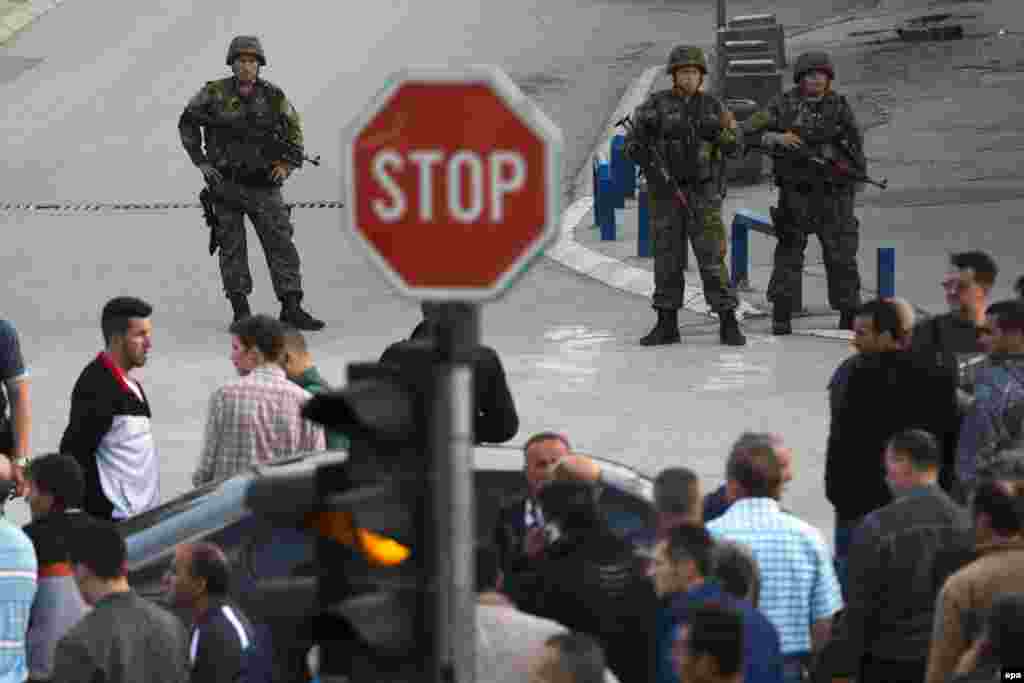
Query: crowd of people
x=924, y=467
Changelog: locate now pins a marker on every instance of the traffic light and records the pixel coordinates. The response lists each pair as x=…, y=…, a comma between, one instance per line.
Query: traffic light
x=372, y=596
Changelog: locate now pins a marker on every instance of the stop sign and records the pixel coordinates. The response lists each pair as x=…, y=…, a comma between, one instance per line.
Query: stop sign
x=453, y=182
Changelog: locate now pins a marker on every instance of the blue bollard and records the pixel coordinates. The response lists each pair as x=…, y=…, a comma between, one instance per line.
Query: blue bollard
x=886, y=272
x=740, y=265
x=604, y=212
x=619, y=170
x=629, y=189
x=643, y=232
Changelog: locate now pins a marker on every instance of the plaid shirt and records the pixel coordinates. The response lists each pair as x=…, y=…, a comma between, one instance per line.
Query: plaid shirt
x=254, y=420
x=798, y=582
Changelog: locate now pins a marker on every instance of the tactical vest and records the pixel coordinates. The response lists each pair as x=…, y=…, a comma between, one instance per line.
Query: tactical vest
x=819, y=124
x=224, y=146
x=680, y=129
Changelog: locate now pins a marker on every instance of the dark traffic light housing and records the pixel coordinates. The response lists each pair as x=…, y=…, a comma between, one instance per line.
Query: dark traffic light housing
x=373, y=593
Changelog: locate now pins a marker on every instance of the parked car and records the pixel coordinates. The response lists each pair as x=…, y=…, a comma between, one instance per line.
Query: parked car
x=260, y=551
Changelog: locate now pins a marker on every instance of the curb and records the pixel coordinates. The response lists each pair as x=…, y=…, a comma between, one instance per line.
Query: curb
x=606, y=269
x=15, y=15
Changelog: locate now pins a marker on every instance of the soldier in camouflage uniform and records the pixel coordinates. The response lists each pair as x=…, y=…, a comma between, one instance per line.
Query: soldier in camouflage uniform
x=812, y=119
x=691, y=132
x=244, y=181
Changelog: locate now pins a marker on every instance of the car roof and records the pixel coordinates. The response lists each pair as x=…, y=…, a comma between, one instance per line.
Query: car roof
x=152, y=535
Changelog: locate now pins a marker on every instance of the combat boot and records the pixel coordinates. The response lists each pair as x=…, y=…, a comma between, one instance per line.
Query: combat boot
x=846, y=319
x=293, y=314
x=666, y=330
x=240, y=305
x=729, y=332
x=782, y=320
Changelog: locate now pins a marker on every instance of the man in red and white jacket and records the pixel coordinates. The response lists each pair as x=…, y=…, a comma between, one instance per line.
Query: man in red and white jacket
x=109, y=431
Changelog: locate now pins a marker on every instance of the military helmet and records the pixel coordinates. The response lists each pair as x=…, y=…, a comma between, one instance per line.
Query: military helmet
x=250, y=44
x=686, y=55
x=813, y=61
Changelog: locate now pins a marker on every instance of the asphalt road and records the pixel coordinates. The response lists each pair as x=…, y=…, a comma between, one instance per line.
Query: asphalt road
x=92, y=97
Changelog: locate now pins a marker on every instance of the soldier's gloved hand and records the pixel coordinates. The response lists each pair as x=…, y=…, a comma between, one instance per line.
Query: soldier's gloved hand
x=280, y=171
x=727, y=120
x=211, y=174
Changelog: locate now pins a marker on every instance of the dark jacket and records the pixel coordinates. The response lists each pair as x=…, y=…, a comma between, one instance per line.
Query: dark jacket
x=124, y=639
x=496, y=419
x=941, y=337
x=510, y=536
x=892, y=574
x=594, y=583
x=886, y=393
x=224, y=647
x=716, y=504
x=762, y=649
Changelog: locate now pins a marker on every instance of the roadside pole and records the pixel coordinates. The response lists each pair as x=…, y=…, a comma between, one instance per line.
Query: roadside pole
x=452, y=444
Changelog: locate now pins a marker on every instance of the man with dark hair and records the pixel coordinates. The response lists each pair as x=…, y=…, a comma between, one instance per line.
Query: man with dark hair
x=681, y=569
x=999, y=568
x=109, y=431
x=892, y=565
x=710, y=648
x=257, y=418
x=967, y=287
x=717, y=502
x=54, y=495
x=16, y=423
x=569, y=658
x=734, y=568
x=677, y=498
x=590, y=580
x=995, y=421
x=799, y=591
x=125, y=638
x=889, y=391
x=297, y=362
x=519, y=533
x=223, y=645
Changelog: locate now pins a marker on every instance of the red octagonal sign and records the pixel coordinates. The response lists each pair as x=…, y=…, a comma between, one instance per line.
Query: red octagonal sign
x=453, y=182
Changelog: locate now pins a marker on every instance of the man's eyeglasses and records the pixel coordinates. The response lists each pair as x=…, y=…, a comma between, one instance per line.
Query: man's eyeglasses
x=955, y=283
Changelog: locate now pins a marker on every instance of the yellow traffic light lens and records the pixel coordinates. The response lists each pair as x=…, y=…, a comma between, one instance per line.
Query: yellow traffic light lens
x=378, y=550
x=384, y=551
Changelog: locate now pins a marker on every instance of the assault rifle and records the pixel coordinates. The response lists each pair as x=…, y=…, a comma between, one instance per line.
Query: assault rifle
x=659, y=165
x=833, y=168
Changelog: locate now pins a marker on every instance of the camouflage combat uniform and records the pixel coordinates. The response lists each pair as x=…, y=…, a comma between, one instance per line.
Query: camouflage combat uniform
x=811, y=201
x=248, y=188
x=689, y=138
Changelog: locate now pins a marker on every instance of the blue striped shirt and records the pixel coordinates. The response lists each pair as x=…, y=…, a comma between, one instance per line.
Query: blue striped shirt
x=798, y=581
x=18, y=569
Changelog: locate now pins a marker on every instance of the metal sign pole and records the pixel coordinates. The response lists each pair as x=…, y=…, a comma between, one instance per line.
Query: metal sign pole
x=454, y=500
